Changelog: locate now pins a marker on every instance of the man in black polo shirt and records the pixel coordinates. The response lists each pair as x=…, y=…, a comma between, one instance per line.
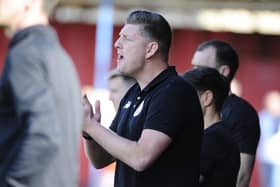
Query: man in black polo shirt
x=155, y=139
x=219, y=159
x=240, y=117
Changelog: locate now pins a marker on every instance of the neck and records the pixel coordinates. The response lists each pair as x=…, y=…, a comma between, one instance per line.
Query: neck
x=211, y=117
x=28, y=21
x=150, y=71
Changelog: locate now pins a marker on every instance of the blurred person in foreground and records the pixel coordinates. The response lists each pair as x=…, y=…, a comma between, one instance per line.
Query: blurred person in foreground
x=239, y=116
x=154, y=139
x=40, y=103
x=219, y=159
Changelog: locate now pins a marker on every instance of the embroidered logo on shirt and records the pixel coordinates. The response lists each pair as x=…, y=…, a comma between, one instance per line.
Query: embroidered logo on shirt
x=139, y=109
x=127, y=105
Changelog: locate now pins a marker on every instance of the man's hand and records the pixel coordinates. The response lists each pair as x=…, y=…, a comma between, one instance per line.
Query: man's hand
x=90, y=118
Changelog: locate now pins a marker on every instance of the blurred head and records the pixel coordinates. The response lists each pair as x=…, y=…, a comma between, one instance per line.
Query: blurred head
x=118, y=85
x=219, y=55
x=18, y=13
x=236, y=87
x=212, y=87
x=146, y=35
x=272, y=102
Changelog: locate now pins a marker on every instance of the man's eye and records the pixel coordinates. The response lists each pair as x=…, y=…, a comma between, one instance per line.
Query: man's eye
x=127, y=38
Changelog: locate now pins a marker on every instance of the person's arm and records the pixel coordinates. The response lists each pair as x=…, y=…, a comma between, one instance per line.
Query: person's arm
x=243, y=119
x=201, y=179
x=245, y=171
x=98, y=157
x=137, y=154
x=35, y=108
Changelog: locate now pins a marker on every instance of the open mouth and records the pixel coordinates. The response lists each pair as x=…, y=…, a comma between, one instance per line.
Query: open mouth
x=120, y=57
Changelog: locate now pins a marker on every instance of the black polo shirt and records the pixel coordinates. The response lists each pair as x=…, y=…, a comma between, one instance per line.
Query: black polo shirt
x=220, y=158
x=170, y=105
x=243, y=122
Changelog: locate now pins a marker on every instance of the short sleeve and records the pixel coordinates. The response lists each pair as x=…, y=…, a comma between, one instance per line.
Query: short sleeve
x=243, y=123
x=169, y=110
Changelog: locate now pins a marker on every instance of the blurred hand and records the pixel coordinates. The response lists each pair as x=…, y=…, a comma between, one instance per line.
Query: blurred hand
x=90, y=118
x=88, y=112
x=97, y=115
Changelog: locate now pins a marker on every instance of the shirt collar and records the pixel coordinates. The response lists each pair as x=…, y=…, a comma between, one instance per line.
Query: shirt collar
x=158, y=79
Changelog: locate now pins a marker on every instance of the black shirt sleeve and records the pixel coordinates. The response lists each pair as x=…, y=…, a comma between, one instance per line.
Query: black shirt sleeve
x=243, y=123
x=172, y=108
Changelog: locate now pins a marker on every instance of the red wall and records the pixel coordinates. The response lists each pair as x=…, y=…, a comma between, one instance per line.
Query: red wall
x=3, y=48
x=79, y=41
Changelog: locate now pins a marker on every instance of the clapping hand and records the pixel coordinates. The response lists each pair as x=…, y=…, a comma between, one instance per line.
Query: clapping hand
x=91, y=118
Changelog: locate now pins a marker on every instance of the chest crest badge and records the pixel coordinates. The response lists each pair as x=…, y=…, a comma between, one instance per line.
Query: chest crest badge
x=127, y=105
x=139, y=109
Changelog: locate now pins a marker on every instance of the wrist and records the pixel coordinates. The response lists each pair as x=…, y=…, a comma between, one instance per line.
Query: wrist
x=86, y=136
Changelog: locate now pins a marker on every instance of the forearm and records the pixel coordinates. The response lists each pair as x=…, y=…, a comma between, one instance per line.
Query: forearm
x=201, y=179
x=137, y=154
x=243, y=180
x=120, y=148
x=245, y=170
x=97, y=155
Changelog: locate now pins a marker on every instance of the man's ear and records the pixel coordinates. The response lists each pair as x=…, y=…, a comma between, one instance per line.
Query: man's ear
x=151, y=49
x=207, y=98
x=224, y=70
